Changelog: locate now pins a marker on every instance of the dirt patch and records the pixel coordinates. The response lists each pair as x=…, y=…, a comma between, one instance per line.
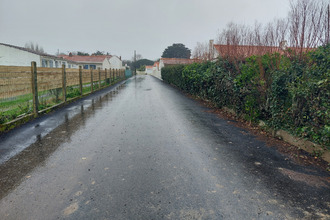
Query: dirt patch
x=312, y=180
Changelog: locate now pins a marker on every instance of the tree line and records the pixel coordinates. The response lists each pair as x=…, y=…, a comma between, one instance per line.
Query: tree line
x=306, y=26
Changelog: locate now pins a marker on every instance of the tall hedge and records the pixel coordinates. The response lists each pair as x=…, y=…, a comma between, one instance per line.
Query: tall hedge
x=287, y=92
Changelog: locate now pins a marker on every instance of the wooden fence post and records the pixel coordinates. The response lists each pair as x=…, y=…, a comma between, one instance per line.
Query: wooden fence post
x=91, y=70
x=34, y=86
x=64, y=82
x=105, y=76
x=99, y=71
x=80, y=80
x=113, y=75
x=110, y=76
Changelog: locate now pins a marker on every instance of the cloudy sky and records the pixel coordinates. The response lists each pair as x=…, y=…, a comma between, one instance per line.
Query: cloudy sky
x=122, y=26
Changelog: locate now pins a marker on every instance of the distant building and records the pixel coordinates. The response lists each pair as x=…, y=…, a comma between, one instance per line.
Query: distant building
x=19, y=56
x=149, y=69
x=96, y=61
x=156, y=66
x=244, y=51
x=176, y=61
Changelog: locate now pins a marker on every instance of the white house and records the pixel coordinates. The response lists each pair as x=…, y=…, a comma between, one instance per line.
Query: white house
x=18, y=56
x=116, y=62
x=96, y=61
x=149, y=69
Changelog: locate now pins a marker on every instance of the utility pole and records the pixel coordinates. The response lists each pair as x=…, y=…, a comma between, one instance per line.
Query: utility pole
x=134, y=62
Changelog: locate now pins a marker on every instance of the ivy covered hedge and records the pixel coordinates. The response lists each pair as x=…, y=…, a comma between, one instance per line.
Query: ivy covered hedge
x=287, y=92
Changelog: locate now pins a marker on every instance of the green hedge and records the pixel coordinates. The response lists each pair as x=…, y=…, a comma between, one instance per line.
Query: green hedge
x=287, y=92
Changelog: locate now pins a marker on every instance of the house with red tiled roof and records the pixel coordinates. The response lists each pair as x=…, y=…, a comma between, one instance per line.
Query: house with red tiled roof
x=244, y=51
x=156, y=66
x=96, y=61
x=11, y=55
x=149, y=69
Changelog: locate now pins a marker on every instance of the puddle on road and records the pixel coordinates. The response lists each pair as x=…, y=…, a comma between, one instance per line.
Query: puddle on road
x=41, y=142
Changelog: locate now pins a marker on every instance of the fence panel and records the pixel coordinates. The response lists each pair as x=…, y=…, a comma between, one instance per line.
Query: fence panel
x=16, y=97
x=14, y=81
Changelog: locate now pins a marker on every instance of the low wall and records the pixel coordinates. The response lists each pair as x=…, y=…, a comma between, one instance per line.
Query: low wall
x=156, y=74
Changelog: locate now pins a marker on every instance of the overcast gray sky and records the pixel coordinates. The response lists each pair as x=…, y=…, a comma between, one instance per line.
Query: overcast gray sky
x=122, y=26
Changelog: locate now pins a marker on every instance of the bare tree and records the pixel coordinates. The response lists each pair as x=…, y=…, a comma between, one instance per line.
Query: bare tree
x=201, y=51
x=307, y=26
x=326, y=26
x=34, y=47
x=306, y=23
x=139, y=57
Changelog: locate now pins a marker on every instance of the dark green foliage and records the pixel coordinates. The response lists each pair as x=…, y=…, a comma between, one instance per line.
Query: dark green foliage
x=98, y=53
x=72, y=92
x=286, y=92
x=142, y=68
x=177, y=51
x=79, y=53
x=143, y=62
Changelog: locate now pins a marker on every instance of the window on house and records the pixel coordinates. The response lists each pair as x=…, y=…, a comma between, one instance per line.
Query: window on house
x=43, y=63
x=86, y=67
x=56, y=64
x=69, y=66
x=93, y=67
x=51, y=64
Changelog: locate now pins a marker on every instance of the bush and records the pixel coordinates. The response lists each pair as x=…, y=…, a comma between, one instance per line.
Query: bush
x=287, y=92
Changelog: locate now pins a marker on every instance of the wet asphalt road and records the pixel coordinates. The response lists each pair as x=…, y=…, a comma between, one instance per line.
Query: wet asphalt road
x=142, y=150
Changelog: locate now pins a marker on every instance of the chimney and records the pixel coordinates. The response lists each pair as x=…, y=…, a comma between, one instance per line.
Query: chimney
x=70, y=54
x=211, y=50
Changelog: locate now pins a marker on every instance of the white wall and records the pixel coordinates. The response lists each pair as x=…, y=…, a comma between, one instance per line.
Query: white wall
x=161, y=64
x=106, y=64
x=116, y=63
x=149, y=71
x=157, y=74
x=10, y=56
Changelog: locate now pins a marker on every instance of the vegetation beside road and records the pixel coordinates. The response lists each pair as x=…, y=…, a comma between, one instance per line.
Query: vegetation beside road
x=287, y=92
x=16, y=107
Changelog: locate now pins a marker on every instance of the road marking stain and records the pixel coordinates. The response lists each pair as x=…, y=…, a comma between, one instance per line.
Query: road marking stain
x=235, y=192
x=106, y=168
x=196, y=214
x=219, y=186
x=257, y=163
x=93, y=182
x=78, y=193
x=83, y=158
x=71, y=209
x=272, y=201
